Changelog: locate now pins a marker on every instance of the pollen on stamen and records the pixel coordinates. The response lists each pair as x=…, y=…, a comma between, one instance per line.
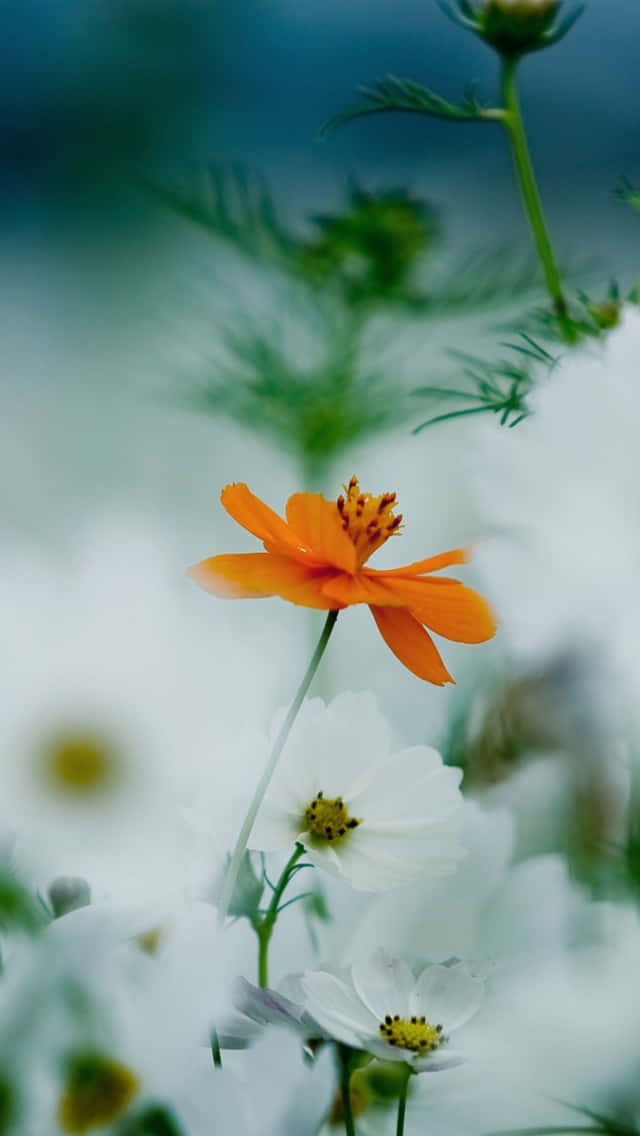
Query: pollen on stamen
x=368, y=520
x=416, y=1035
x=327, y=819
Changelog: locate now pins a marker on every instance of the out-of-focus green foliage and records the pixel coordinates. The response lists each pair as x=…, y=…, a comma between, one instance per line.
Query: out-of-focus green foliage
x=7, y=1105
x=18, y=908
x=597, y=1122
x=370, y=249
x=342, y=271
x=155, y=1120
x=312, y=410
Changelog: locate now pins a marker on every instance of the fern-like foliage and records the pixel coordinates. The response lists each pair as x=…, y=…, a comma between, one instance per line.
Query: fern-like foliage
x=499, y=388
x=309, y=409
x=395, y=94
x=233, y=204
x=629, y=193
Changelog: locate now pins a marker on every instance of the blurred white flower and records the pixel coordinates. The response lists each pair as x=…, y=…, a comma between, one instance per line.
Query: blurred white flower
x=382, y=1007
x=376, y=819
x=562, y=494
x=118, y=705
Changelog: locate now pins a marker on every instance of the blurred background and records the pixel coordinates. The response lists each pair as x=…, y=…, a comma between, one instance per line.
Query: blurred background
x=196, y=289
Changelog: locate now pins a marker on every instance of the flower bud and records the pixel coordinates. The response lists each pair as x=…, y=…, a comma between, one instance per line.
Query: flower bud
x=517, y=26
x=67, y=893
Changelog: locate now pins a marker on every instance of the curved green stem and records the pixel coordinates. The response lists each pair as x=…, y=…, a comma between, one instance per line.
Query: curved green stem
x=264, y=929
x=512, y=119
x=344, y=1061
x=402, y=1102
x=263, y=783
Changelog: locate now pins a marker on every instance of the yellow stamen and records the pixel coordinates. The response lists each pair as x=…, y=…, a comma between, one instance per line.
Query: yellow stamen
x=97, y=1092
x=327, y=819
x=416, y=1034
x=368, y=521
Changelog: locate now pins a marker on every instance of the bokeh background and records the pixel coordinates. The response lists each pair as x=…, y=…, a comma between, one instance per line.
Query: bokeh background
x=115, y=307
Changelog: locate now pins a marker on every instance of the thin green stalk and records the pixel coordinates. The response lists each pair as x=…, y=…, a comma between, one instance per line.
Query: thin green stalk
x=344, y=1061
x=263, y=783
x=402, y=1102
x=264, y=929
x=215, y=1049
x=512, y=119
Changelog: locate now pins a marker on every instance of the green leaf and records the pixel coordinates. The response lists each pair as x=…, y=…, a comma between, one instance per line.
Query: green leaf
x=247, y=893
x=395, y=94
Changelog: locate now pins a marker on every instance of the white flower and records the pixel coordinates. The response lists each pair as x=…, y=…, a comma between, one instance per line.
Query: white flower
x=116, y=709
x=382, y=1007
x=376, y=819
x=563, y=496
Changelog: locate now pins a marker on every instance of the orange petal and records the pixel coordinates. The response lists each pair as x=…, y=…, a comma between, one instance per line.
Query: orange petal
x=432, y=564
x=446, y=606
x=252, y=513
x=411, y=644
x=252, y=575
x=317, y=523
x=361, y=588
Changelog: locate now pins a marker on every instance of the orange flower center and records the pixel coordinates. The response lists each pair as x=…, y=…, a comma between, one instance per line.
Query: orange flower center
x=367, y=520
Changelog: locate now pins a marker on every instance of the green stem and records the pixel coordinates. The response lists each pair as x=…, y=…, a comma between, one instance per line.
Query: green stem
x=344, y=1061
x=402, y=1102
x=264, y=928
x=512, y=119
x=263, y=783
x=215, y=1049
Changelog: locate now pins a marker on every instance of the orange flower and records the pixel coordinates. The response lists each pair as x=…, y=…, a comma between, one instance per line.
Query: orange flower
x=317, y=558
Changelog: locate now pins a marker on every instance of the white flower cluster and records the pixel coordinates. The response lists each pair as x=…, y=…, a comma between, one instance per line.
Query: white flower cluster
x=383, y=924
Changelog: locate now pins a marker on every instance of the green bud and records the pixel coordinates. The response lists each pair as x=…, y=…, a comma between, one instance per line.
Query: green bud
x=514, y=27
x=67, y=893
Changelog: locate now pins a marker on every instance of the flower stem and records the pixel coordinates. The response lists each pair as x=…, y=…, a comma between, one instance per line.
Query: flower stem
x=264, y=928
x=263, y=783
x=402, y=1102
x=512, y=119
x=344, y=1061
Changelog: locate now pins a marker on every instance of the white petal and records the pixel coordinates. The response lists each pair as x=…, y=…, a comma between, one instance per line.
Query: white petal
x=274, y=828
x=332, y=748
x=378, y=861
x=446, y=995
x=384, y=985
x=336, y=1007
x=411, y=782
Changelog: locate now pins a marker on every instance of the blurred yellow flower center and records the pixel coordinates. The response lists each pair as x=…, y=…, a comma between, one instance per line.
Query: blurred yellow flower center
x=79, y=765
x=151, y=940
x=327, y=818
x=368, y=521
x=415, y=1034
x=97, y=1092
x=360, y=1098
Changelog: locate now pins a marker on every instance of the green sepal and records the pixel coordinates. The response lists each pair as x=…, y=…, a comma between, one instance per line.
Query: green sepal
x=247, y=892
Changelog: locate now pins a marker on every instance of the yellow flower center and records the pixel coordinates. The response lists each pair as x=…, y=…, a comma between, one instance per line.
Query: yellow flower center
x=368, y=521
x=79, y=765
x=150, y=941
x=416, y=1034
x=97, y=1092
x=327, y=819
